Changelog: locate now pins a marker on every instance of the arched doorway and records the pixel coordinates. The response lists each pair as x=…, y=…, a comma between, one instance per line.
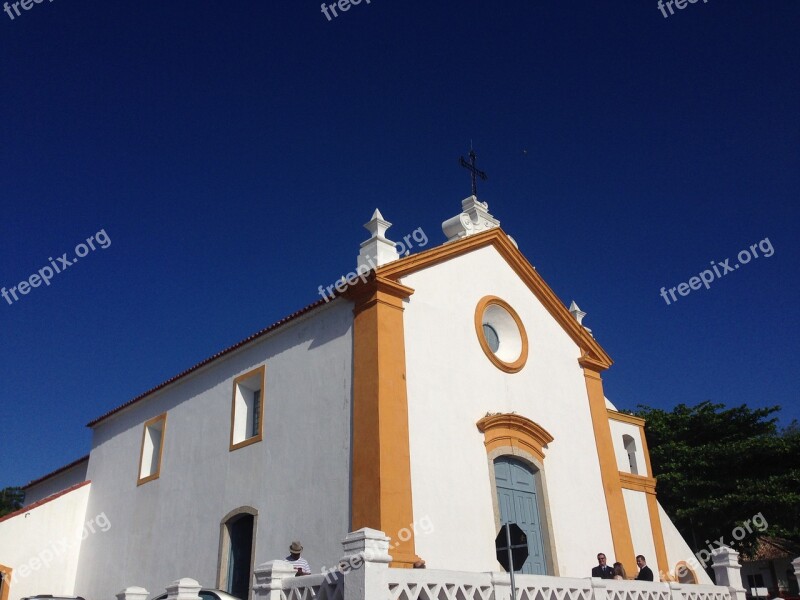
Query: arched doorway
x=236, y=552
x=518, y=494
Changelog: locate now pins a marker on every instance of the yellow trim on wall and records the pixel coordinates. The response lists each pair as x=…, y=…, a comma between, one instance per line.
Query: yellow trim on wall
x=381, y=487
x=638, y=483
x=155, y=475
x=612, y=487
x=615, y=415
x=262, y=370
x=509, y=367
x=645, y=450
x=658, y=533
x=646, y=484
x=6, y=585
x=515, y=431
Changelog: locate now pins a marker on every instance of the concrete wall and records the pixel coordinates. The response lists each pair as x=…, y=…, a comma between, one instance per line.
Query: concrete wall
x=452, y=384
x=42, y=545
x=297, y=477
x=57, y=483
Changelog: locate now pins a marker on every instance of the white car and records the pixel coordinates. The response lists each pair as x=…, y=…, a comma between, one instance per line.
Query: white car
x=205, y=594
x=51, y=597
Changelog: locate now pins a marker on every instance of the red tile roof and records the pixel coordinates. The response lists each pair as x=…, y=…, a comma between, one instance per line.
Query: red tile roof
x=220, y=354
x=30, y=484
x=773, y=548
x=30, y=507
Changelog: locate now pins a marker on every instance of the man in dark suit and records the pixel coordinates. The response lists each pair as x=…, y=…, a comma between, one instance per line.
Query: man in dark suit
x=645, y=574
x=602, y=570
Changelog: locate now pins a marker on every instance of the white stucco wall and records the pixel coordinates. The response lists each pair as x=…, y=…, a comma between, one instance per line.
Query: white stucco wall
x=452, y=384
x=42, y=544
x=619, y=429
x=56, y=483
x=297, y=477
x=641, y=530
x=677, y=549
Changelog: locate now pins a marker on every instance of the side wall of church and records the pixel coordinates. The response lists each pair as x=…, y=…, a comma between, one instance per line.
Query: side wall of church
x=296, y=478
x=53, y=485
x=452, y=384
x=41, y=545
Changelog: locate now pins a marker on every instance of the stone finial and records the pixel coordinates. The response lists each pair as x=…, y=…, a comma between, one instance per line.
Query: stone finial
x=579, y=315
x=577, y=312
x=377, y=250
x=269, y=579
x=473, y=219
x=796, y=565
x=133, y=593
x=727, y=571
x=184, y=589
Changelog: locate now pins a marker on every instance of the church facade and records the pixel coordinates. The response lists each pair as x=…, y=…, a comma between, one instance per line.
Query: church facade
x=440, y=396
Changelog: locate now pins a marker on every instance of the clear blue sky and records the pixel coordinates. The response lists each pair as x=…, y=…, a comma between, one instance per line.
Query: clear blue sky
x=232, y=151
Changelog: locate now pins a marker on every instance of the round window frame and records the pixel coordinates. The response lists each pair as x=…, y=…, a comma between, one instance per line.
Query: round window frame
x=507, y=366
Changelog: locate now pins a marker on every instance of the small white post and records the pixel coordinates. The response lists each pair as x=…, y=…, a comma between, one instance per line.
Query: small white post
x=599, y=591
x=501, y=583
x=675, y=590
x=183, y=589
x=269, y=579
x=133, y=593
x=727, y=571
x=366, y=560
x=796, y=565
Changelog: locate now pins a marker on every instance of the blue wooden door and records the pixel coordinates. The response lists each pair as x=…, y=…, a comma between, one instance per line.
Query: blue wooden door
x=517, y=496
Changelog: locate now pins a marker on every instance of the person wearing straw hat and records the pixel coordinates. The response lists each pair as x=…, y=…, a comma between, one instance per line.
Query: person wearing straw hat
x=299, y=563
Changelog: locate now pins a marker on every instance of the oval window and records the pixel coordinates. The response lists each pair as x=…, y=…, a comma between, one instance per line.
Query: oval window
x=501, y=334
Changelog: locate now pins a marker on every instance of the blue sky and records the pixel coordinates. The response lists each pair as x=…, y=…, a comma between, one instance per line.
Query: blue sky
x=231, y=153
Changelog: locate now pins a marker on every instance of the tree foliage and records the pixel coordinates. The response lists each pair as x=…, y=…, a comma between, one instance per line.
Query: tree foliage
x=11, y=499
x=717, y=467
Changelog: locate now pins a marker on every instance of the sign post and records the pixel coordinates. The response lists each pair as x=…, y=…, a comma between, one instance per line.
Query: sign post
x=511, y=544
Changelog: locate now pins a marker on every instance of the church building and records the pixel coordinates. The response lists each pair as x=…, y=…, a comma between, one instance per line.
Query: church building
x=433, y=397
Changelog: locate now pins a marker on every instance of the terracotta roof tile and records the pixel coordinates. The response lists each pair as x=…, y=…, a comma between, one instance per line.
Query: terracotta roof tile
x=37, y=504
x=30, y=484
x=211, y=359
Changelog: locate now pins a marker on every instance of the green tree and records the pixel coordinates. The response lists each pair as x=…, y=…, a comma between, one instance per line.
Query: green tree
x=11, y=499
x=719, y=467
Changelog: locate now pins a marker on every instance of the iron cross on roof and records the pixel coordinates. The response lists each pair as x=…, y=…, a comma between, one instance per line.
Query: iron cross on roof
x=474, y=171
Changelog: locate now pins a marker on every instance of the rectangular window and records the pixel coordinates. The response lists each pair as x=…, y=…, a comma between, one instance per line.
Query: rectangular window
x=247, y=409
x=152, y=449
x=256, y=429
